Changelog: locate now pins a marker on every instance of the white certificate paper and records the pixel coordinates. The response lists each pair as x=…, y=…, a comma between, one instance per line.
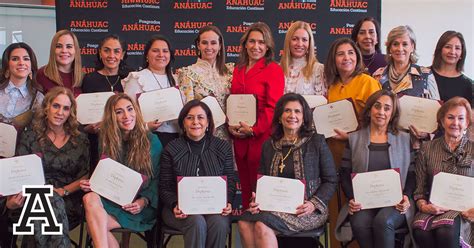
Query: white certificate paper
x=7, y=140
x=161, y=105
x=315, y=100
x=338, y=114
x=242, y=107
x=217, y=113
x=18, y=171
x=202, y=195
x=419, y=112
x=452, y=191
x=90, y=107
x=279, y=194
x=377, y=189
x=115, y=181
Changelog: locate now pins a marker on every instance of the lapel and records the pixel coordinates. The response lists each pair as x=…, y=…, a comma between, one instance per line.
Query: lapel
x=256, y=69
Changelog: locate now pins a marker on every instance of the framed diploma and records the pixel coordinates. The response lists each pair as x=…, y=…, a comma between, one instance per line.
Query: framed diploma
x=116, y=181
x=217, y=113
x=7, y=140
x=340, y=114
x=18, y=171
x=452, y=191
x=420, y=112
x=90, y=107
x=242, y=107
x=315, y=100
x=161, y=105
x=202, y=195
x=377, y=189
x=279, y=194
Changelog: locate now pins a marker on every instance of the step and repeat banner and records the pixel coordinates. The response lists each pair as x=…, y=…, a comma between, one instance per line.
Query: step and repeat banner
x=136, y=20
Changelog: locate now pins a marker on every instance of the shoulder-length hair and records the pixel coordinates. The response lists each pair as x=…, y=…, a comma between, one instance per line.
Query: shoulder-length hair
x=31, y=82
x=394, y=119
x=456, y=101
x=112, y=137
x=311, y=58
x=51, y=69
x=168, y=68
x=330, y=68
x=40, y=121
x=264, y=29
x=306, y=128
x=445, y=38
x=358, y=25
x=123, y=69
x=220, y=59
x=192, y=104
x=396, y=33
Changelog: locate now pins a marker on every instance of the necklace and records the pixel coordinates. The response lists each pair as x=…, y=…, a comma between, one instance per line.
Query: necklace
x=156, y=79
x=396, y=77
x=282, y=164
x=369, y=60
x=112, y=85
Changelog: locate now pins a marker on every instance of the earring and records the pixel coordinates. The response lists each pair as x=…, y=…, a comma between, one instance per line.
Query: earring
x=199, y=53
x=207, y=129
x=7, y=74
x=30, y=75
x=219, y=53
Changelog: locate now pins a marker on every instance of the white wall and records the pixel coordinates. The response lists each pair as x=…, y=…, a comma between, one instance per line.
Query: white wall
x=429, y=19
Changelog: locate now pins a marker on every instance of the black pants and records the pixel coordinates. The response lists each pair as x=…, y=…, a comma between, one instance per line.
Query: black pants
x=442, y=237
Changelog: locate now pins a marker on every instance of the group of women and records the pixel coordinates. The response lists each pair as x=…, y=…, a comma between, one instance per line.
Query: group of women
x=282, y=142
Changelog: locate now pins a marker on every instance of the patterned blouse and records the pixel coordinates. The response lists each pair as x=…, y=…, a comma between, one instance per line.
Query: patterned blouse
x=17, y=100
x=296, y=82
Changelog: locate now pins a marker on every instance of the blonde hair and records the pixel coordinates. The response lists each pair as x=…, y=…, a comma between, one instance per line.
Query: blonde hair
x=111, y=137
x=310, y=55
x=396, y=33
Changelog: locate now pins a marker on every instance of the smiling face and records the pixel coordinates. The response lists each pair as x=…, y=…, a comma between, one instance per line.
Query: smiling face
x=455, y=122
x=381, y=112
x=195, y=123
x=111, y=54
x=256, y=47
x=19, y=65
x=59, y=111
x=401, y=49
x=299, y=43
x=125, y=115
x=292, y=117
x=367, y=38
x=65, y=52
x=346, y=59
x=451, y=51
x=158, y=56
x=209, y=46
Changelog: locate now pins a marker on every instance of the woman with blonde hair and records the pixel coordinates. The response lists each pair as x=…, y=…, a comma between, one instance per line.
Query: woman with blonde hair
x=124, y=139
x=64, y=67
x=303, y=72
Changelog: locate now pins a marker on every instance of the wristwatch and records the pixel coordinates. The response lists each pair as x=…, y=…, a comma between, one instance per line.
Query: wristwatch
x=65, y=192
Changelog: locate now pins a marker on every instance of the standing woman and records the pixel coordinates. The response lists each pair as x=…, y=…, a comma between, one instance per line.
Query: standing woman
x=256, y=73
x=210, y=75
x=64, y=67
x=158, y=60
x=303, y=73
x=125, y=140
x=366, y=34
x=448, y=65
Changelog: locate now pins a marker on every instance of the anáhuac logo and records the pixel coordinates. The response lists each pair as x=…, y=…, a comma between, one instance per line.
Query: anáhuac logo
x=344, y=30
x=189, y=27
x=241, y=28
x=297, y=4
x=142, y=25
x=359, y=6
x=89, y=49
x=233, y=51
x=140, y=4
x=135, y=49
x=192, y=4
x=83, y=4
x=245, y=4
x=186, y=52
x=284, y=26
x=89, y=26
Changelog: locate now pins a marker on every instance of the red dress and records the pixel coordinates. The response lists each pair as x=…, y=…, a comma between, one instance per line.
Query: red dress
x=266, y=82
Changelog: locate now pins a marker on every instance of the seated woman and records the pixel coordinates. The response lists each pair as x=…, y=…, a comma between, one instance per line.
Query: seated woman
x=293, y=151
x=197, y=153
x=125, y=140
x=65, y=157
x=379, y=145
x=435, y=226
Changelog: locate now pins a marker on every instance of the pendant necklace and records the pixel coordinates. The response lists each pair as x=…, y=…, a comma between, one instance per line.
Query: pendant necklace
x=157, y=81
x=282, y=164
x=112, y=85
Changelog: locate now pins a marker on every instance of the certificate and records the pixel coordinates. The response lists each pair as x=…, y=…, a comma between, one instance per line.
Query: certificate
x=452, y=191
x=202, y=195
x=90, y=107
x=18, y=171
x=161, y=105
x=279, y=194
x=340, y=115
x=377, y=189
x=217, y=114
x=315, y=100
x=7, y=140
x=420, y=112
x=242, y=107
x=115, y=181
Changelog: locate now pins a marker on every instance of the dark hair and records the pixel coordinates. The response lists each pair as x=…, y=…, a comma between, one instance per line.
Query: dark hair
x=330, y=69
x=306, y=128
x=393, y=122
x=358, y=25
x=456, y=101
x=445, y=38
x=124, y=69
x=220, y=59
x=168, y=69
x=31, y=83
x=192, y=104
x=264, y=29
